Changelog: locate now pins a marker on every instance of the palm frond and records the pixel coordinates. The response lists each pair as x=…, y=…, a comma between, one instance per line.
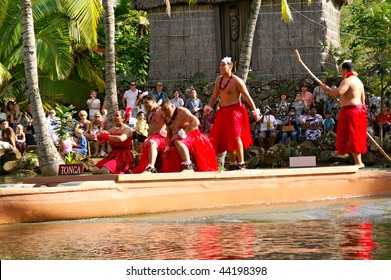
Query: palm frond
x=3, y=11
x=44, y=8
x=4, y=74
x=86, y=14
x=286, y=14
x=11, y=30
x=86, y=72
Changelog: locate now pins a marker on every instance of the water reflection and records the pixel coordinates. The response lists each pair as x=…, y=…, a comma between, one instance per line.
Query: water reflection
x=351, y=229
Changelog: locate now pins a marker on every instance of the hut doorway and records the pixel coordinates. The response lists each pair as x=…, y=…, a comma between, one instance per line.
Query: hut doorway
x=233, y=20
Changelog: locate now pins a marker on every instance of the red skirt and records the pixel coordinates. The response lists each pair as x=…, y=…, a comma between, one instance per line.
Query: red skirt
x=120, y=159
x=232, y=122
x=352, y=130
x=201, y=152
x=144, y=159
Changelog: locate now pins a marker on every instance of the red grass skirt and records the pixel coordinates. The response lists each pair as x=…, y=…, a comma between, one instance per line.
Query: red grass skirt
x=120, y=159
x=201, y=151
x=232, y=122
x=144, y=160
x=352, y=130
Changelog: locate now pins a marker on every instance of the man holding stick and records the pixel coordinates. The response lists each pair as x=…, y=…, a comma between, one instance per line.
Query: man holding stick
x=352, y=122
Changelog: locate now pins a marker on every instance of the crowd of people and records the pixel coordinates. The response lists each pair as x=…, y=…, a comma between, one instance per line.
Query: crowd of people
x=184, y=135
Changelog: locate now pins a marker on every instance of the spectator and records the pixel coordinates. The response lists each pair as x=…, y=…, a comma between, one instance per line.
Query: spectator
x=79, y=143
x=84, y=124
x=159, y=93
x=314, y=123
x=141, y=128
x=177, y=101
x=319, y=97
x=3, y=115
x=131, y=96
x=282, y=108
x=328, y=123
x=93, y=104
x=194, y=104
x=300, y=107
x=20, y=139
x=53, y=124
x=268, y=128
x=291, y=120
x=306, y=95
x=386, y=119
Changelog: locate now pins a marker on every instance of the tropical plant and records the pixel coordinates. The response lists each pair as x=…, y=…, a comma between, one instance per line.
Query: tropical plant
x=49, y=158
x=71, y=158
x=64, y=113
x=66, y=38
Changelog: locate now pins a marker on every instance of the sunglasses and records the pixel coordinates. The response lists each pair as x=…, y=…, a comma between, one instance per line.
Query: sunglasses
x=132, y=84
x=97, y=116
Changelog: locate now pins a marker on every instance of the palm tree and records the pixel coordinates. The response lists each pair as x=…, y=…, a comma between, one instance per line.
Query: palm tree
x=49, y=158
x=66, y=38
x=111, y=85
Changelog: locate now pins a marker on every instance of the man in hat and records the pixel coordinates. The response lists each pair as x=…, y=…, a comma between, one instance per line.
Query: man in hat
x=231, y=130
x=352, y=122
x=159, y=93
x=268, y=128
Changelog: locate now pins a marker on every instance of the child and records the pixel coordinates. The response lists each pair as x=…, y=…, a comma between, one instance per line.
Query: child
x=328, y=123
x=20, y=139
x=66, y=145
x=80, y=144
x=141, y=127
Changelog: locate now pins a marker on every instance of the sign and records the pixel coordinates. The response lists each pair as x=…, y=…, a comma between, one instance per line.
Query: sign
x=70, y=169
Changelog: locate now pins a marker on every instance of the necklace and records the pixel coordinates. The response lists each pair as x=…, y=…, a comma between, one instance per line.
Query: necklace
x=169, y=122
x=226, y=84
x=119, y=126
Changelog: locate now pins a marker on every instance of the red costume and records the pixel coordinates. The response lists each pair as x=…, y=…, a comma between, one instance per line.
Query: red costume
x=201, y=153
x=144, y=159
x=352, y=130
x=232, y=122
x=120, y=159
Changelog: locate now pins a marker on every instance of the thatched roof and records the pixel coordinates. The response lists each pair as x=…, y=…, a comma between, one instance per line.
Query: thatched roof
x=150, y=4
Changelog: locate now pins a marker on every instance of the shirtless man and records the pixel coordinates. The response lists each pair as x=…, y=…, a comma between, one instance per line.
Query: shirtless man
x=184, y=136
x=352, y=122
x=155, y=143
x=231, y=130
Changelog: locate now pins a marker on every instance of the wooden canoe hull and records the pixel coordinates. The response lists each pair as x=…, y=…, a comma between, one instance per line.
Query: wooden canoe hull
x=92, y=197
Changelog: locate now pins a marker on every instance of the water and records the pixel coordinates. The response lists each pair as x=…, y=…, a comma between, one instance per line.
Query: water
x=341, y=229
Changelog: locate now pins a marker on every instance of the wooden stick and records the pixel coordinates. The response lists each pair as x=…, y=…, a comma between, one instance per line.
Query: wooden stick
x=380, y=149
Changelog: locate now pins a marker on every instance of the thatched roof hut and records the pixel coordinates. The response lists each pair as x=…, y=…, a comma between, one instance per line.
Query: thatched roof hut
x=190, y=42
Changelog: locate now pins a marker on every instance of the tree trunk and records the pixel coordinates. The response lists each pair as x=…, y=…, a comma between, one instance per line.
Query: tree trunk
x=247, y=44
x=48, y=156
x=111, y=84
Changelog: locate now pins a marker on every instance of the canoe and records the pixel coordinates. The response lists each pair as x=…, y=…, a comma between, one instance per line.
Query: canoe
x=92, y=196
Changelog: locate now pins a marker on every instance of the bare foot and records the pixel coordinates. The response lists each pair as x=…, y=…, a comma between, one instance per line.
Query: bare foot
x=360, y=165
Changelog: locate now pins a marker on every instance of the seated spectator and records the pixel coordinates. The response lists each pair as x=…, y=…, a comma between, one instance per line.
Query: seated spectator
x=8, y=135
x=386, y=119
x=328, y=123
x=299, y=106
x=15, y=117
x=282, y=108
x=3, y=115
x=96, y=127
x=314, y=123
x=53, y=124
x=372, y=126
x=295, y=130
x=20, y=139
x=79, y=142
x=66, y=145
x=177, y=101
x=268, y=129
x=84, y=124
x=141, y=128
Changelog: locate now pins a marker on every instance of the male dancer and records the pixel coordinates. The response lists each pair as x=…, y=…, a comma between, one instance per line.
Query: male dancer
x=231, y=130
x=183, y=137
x=154, y=145
x=352, y=121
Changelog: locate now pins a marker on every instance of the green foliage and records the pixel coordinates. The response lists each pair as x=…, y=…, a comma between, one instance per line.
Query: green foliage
x=63, y=130
x=70, y=158
x=366, y=37
x=132, y=42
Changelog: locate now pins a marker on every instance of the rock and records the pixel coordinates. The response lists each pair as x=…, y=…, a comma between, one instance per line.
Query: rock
x=308, y=148
x=24, y=173
x=274, y=156
x=254, y=156
x=8, y=155
x=326, y=141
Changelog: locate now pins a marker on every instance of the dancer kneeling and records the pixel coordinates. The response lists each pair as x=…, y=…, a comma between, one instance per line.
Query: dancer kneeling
x=183, y=137
x=120, y=159
x=153, y=147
